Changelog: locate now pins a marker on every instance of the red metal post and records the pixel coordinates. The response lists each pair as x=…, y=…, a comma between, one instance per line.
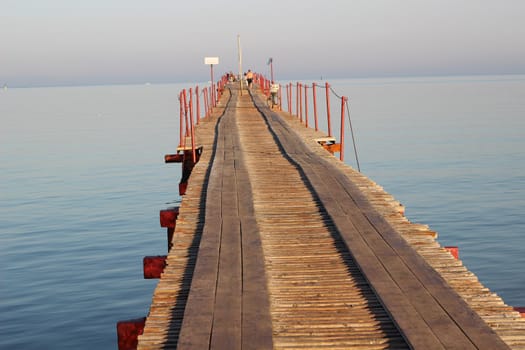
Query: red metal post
x=198, y=105
x=186, y=126
x=192, y=129
x=342, y=131
x=190, y=106
x=210, y=94
x=213, y=90
x=314, y=93
x=300, y=92
x=306, y=104
x=327, y=88
x=206, y=107
x=297, y=100
x=181, y=115
x=290, y=98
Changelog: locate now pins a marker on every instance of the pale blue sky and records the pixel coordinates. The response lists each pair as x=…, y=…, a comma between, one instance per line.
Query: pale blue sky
x=72, y=42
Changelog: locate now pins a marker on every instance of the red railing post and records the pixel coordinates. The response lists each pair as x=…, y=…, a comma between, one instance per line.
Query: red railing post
x=186, y=123
x=181, y=117
x=287, y=98
x=210, y=95
x=206, y=102
x=197, y=102
x=297, y=100
x=314, y=93
x=192, y=130
x=212, y=88
x=300, y=87
x=190, y=106
x=290, y=101
x=327, y=86
x=306, y=104
x=342, y=132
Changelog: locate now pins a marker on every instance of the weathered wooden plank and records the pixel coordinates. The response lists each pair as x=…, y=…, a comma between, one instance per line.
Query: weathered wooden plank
x=226, y=332
x=257, y=326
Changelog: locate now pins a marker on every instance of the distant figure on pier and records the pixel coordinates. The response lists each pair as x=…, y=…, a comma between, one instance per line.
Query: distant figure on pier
x=274, y=91
x=249, y=78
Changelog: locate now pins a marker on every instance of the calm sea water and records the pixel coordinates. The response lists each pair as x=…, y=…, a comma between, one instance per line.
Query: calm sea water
x=82, y=181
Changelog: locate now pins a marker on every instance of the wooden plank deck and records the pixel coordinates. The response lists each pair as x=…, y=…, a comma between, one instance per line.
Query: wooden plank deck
x=278, y=245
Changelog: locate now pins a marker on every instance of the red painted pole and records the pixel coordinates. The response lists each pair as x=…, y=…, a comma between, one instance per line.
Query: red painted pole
x=306, y=104
x=314, y=93
x=342, y=131
x=210, y=94
x=327, y=86
x=186, y=126
x=190, y=105
x=192, y=130
x=297, y=100
x=290, y=99
x=198, y=105
x=181, y=117
x=213, y=90
x=300, y=88
x=206, y=107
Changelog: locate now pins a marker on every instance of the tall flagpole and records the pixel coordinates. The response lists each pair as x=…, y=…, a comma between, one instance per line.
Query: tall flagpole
x=240, y=60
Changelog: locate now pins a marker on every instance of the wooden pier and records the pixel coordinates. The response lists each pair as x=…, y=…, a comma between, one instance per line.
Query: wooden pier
x=279, y=245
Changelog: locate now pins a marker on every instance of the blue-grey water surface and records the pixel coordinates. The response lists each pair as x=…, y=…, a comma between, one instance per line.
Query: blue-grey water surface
x=82, y=181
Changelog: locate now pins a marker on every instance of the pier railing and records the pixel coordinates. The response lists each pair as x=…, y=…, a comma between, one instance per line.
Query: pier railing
x=306, y=100
x=307, y=110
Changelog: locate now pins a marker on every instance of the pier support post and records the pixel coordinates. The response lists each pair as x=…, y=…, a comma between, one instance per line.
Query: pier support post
x=173, y=158
x=188, y=163
x=153, y=266
x=520, y=309
x=168, y=219
x=128, y=333
x=454, y=250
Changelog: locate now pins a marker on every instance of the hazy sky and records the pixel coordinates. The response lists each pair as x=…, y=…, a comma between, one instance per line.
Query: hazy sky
x=63, y=42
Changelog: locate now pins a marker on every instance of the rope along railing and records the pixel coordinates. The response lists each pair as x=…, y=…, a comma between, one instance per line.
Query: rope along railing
x=306, y=96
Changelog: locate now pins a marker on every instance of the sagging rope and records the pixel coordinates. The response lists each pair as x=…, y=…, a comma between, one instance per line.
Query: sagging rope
x=351, y=128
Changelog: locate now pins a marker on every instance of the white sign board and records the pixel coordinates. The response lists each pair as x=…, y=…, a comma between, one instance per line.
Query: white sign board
x=211, y=60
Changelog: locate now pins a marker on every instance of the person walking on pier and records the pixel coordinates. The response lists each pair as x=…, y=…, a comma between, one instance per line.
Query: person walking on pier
x=249, y=78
